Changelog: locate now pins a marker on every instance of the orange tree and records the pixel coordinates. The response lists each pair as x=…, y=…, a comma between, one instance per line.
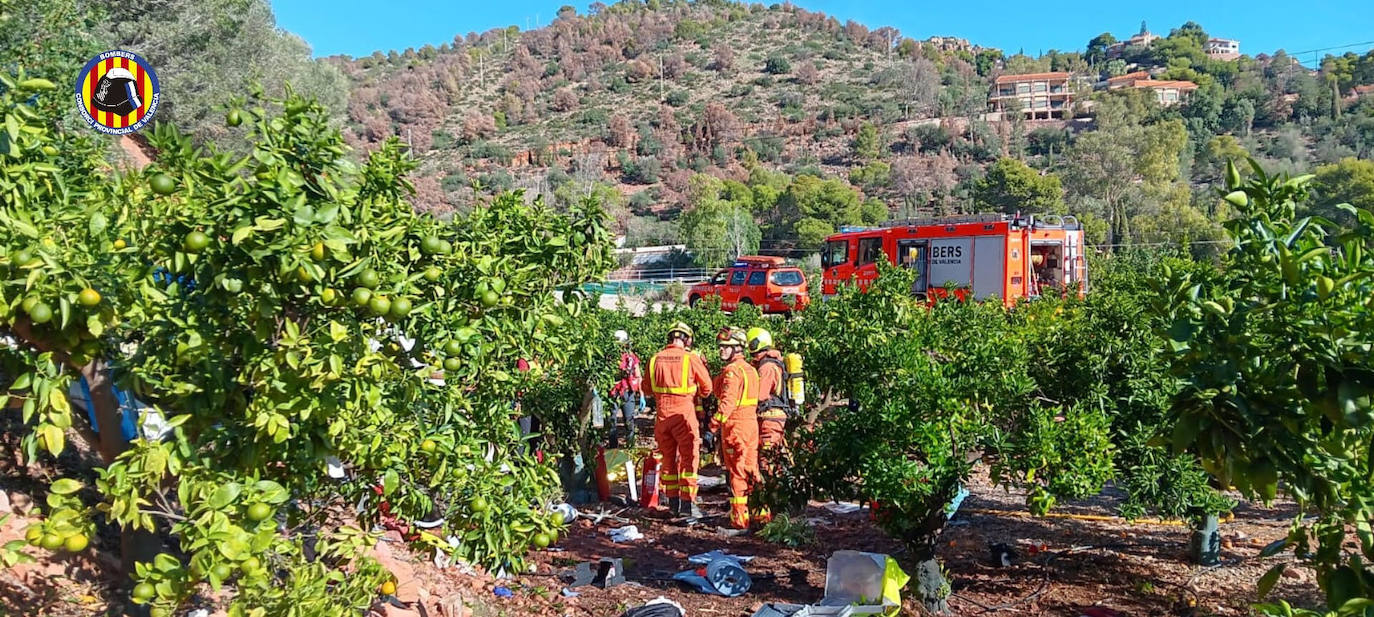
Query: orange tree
x=1275, y=358
x=279, y=311
x=930, y=390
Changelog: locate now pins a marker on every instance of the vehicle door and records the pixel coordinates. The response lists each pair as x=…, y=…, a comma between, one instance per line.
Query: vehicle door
x=730, y=293
x=756, y=288
x=835, y=264
x=866, y=261
x=912, y=254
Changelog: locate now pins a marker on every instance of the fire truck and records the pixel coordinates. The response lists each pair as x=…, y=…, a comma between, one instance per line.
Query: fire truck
x=986, y=256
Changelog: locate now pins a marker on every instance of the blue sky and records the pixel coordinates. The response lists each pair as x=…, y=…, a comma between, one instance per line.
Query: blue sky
x=357, y=28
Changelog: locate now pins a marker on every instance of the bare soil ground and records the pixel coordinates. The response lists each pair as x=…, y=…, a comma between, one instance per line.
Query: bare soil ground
x=1081, y=557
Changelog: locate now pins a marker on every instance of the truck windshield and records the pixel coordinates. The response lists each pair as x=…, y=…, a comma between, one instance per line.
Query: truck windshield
x=836, y=253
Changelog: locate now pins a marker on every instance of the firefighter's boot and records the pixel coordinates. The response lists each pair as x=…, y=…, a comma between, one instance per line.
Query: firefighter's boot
x=689, y=509
x=673, y=504
x=739, y=512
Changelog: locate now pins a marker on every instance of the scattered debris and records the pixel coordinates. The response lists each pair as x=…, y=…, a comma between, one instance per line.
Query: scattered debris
x=861, y=579
x=722, y=576
x=706, y=558
x=1003, y=554
x=568, y=593
x=610, y=571
x=628, y=533
x=658, y=607
x=567, y=510
x=843, y=507
x=501, y=591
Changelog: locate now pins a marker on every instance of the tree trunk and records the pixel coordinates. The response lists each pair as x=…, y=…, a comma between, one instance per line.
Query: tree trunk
x=930, y=580
x=1204, y=547
x=136, y=545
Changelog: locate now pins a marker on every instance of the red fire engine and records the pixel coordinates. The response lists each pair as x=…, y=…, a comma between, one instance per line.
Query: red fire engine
x=986, y=256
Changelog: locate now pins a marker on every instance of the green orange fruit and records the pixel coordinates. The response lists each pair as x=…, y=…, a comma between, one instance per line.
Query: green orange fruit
x=453, y=348
x=51, y=541
x=433, y=273
x=361, y=296
x=259, y=512
x=452, y=364
x=428, y=446
x=542, y=540
x=490, y=298
x=369, y=279
x=222, y=571
x=40, y=313
x=317, y=251
x=163, y=184
x=144, y=592
x=195, y=242
x=431, y=245
x=379, y=305
x=478, y=505
x=400, y=307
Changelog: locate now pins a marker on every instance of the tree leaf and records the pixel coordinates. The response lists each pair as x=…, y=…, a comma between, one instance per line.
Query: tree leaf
x=1270, y=578
x=224, y=496
x=65, y=486
x=390, y=482
x=272, y=492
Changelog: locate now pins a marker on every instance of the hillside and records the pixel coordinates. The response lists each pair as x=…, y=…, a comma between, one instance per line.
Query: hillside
x=735, y=127
x=640, y=99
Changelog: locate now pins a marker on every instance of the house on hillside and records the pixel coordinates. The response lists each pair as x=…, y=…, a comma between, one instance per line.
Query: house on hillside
x=1144, y=38
x=1222, y=49
x=1128, y=80
x=1170, y=92
x=1038, y=96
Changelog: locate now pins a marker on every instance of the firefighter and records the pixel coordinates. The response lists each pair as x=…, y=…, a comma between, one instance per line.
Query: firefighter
x=676, y=377
x=736, y=423
x=773, y=400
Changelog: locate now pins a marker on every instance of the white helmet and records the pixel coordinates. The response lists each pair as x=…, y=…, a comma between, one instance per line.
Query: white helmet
x=622, y=336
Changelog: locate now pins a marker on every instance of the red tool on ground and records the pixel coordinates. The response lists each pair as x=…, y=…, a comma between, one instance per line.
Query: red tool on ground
x=648, y=487
x=603, y=480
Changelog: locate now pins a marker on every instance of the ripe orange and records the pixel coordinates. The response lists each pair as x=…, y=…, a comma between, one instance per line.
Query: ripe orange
x=76, y=543
x=88, y=297
x=388, y=588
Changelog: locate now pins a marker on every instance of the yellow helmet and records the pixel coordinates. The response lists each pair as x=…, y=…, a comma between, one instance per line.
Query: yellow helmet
x=680, y=328
x=758, y=339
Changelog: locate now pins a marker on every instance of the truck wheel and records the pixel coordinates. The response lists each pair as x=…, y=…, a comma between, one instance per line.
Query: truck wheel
x=692, y=301
x=746, y=301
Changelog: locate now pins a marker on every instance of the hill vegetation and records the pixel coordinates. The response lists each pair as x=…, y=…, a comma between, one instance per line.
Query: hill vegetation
x=697, y=119
x=741, y=128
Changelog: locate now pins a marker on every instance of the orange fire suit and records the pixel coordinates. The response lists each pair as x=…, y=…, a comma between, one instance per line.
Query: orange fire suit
x=772, y=408
x=737, y=393
x=676, y=378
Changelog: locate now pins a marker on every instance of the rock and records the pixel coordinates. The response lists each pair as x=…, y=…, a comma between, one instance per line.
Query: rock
x=453, y=606
x=390, y=554
x=1291, y=573
x=5, y=507
x=19, y=503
